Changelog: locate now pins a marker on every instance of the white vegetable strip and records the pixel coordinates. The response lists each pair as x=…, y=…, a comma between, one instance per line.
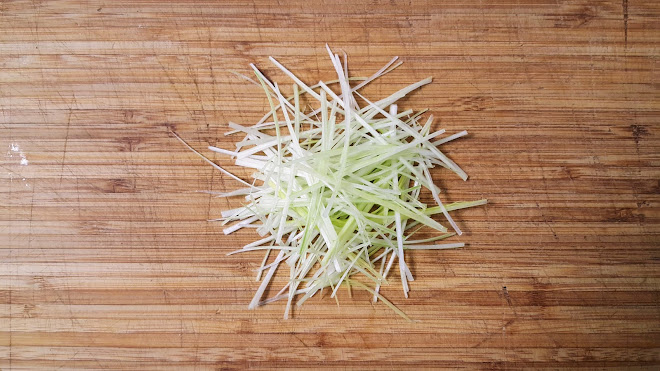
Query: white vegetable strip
x=240, y=225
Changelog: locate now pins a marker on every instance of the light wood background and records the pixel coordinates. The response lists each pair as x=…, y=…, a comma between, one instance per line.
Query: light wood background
x=106, y=258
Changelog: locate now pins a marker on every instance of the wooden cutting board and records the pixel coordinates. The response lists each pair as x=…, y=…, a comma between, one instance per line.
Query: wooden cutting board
x=107, y=260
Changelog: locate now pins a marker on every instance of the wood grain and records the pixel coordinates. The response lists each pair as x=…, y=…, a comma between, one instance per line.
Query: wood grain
x=107, y=262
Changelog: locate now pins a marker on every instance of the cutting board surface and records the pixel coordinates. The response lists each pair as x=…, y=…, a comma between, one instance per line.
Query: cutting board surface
x=107, y=260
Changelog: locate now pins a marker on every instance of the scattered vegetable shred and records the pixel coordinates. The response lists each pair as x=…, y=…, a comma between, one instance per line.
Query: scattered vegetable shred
x=336, y=189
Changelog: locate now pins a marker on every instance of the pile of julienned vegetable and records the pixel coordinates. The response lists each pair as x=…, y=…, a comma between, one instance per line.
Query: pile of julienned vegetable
x=336, y=186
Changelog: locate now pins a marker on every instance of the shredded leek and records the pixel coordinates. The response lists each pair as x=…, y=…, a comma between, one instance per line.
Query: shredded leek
x=336, y=191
